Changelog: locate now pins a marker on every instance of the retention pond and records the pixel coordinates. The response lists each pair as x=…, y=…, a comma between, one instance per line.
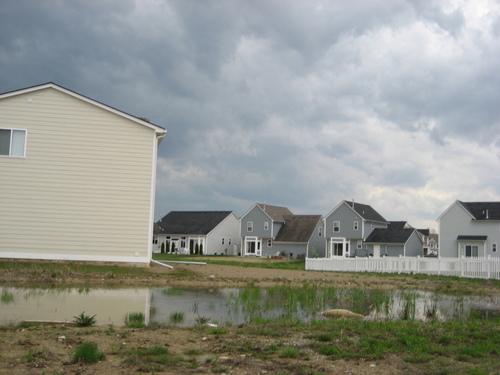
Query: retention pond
x=188, y=307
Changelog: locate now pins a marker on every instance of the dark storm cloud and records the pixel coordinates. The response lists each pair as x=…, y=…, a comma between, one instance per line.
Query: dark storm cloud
x=297, y=103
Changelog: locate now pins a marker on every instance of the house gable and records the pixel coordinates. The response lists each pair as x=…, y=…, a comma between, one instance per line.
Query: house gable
x=85, y=188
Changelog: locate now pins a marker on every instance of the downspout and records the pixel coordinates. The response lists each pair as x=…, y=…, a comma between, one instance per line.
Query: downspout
x=160, y=263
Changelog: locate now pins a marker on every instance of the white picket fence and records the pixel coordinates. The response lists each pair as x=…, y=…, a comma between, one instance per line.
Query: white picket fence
x=480, y=268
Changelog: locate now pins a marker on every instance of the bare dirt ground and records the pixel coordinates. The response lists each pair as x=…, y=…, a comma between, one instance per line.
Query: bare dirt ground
x=48, y=349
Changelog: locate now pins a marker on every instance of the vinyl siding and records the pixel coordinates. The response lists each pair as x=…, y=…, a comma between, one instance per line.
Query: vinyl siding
x=84, y=187
x=456, y=221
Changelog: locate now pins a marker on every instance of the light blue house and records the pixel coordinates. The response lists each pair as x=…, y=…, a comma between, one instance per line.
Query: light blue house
x=347, y=226
x=268, y=230
x=259, y=226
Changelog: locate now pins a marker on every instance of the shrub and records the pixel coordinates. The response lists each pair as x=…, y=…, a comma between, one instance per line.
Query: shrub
x=87, y=353
x=83, y=320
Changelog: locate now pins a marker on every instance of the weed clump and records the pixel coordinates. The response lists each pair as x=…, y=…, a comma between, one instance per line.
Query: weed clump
x=83, y=320
x=135, y=320
x=87, y=353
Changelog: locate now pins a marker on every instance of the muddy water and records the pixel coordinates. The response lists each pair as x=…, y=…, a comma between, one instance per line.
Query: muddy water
x=229, y=305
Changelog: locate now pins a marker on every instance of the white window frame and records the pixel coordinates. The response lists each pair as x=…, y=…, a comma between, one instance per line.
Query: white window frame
x=359, y=245
x=222, y=240
x=270, y=242
x=355, y=225
x=320, y=231
x=494, y=247
x=474, y=251
x=229, y=240
x=266, y=225
x=249, y=226
x=336, y=226
x=11, y=141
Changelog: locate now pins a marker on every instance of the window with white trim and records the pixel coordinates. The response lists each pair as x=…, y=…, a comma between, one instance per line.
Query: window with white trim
x=249, y=226
x=229, y=240
x=266, y=225
x=13, y=142
x=269, y=242
x=336, y=226
x=494, y=247
x=355, y=225
x=359, y=244
x=320, y=231
x=155, y=239
x=222, y=241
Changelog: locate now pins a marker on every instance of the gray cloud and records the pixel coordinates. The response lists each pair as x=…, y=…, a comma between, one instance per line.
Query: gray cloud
x=300, y=104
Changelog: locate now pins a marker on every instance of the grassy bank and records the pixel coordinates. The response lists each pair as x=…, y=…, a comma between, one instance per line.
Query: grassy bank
x=278, y=346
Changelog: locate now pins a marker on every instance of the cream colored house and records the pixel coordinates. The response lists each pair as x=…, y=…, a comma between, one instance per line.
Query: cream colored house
x=77, y=178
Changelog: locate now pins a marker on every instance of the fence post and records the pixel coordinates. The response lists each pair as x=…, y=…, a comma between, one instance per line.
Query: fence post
x=488, y=265
x=462, y=266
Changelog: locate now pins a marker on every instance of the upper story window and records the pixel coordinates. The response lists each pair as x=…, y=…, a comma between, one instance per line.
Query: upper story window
x=12, y=142
x=494, y=247
x=222, y=240
x=249, y=226
x=355, y=225
x=229, y=241
x=269, y=243
x=336, y=226
x=320, y=231
x=266, y=225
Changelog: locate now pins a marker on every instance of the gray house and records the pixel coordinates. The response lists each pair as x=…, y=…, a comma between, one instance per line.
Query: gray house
x=300, y=236
x=394, y=242
x=347, y=226
x=470, y=229
x=259, y=227
x=214, y=232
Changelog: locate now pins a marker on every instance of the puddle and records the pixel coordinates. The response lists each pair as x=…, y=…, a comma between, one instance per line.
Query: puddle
x=188, y=307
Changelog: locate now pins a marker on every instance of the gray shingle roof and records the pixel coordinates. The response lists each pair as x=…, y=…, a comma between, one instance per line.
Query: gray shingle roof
x=394, y=236
x=297, y=228
x=483, y=210
x=190, y=222
x=276, y=213
x=366, y=212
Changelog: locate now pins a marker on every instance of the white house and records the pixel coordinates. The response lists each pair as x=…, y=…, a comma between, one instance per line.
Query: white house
x=77, y=178
x=470, y=229
x=212, y=232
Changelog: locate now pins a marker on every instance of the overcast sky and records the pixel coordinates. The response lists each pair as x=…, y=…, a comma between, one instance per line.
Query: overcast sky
x=302, y=104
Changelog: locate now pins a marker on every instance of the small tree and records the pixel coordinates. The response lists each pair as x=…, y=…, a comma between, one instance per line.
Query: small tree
x=172, y=248
x=201, y=249
x=197, y=249
x=163, y=247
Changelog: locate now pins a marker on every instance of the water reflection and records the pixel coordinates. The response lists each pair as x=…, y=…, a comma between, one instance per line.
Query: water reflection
x=188, y=307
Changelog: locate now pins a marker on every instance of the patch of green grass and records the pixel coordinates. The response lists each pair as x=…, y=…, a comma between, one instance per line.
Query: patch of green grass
x=135, y=320
x=292, y=352
x=87, y=353
x=176, y=317
x=152, y=359
x=6, y=297
x=193, y=351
